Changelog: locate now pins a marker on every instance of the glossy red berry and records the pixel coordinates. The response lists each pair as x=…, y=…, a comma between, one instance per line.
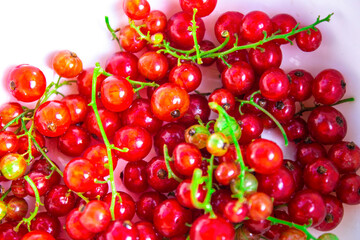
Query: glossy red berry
x=97, y=154
x=16, y=208
x=186, y=75
x=74, y=141
x=157, y=175
x=327, y=125
x=8, y=112
x=328, y=87
x=170, y=218
x=134, y=176
x=254, y=24
x=308, y=151
x=18, y=188
x=309, y=40
x=52, y=118
x=204, y=7
x=179, y=32
x=307, y=205
x=74, y=228
x=110, y=121
x=300, y=84
x=24, y=144
x=136, y=139
x=67, y=64
x=96, y=216
x=260, y=206
x=130, y=40
x=321, y=176
x=183, y=194
x=47, y=223
x=38, y=234
x=283, y=110
x=224, y=98
x=274, y=84
x=155, y=22
x=296, y=129
x=41, y=182
x=147, y=203
x=119, y=229
x=226, y=172
x=98, y=192
x=198, y=108
x=345, y=156
x=169, y=102
x=264, y=156
x=284, y=23
x=153, y=66
x=334, y=213
x=186, y=158
x=228, y=24
x=265, y=57
x=238, y=79
x=279, y=185
x=136, y=9
x=84, y=82
x=348, y=189
x=59, y=201
x=123, y=64
x=124, y=210
x=26, y=83
x=8, y=142
x=206, y=228
x=116, y=94
x=77, y=106
x=257, y=227
x=79, y=175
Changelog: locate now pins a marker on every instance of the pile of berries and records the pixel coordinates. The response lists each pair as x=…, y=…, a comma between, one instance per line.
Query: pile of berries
x=212, y=176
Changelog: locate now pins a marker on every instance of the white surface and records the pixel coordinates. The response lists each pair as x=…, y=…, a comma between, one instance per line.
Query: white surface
x=32, y=30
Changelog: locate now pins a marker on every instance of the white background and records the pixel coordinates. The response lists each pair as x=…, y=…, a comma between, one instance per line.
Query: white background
x=32, y=30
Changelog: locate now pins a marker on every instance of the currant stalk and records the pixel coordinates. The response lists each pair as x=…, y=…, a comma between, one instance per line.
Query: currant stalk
x=43, y=153
x=253, y=103
x=196, y=181
x=306, y=109
x=109, y=147
x=239, y=157
x=38, y=203
x=196, y=44
x=167, y=159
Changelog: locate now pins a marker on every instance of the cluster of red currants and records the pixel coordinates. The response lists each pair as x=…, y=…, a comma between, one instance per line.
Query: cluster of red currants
x=211, y=178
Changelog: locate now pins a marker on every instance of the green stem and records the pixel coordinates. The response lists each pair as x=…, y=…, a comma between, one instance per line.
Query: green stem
x=142, y=84
x=266, y=39
x=97, y=72
x=53, y=166
x=239, y=157
x=112, y=31
x=196, y=44
x=37, y=204
x=306, y=109
x=167, y=159
x=196, y=181
x=5, y=194
x=16, y=119
x=251, y=102
x=303, y=228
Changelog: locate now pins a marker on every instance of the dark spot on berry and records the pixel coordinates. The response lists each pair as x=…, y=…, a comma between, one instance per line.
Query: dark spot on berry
x=72, y=54
x=262, y=102
x=192, y=132
x=98, y=94
x=127, y=224
x=279, y=105
x=51, y=126
x=226, y=106
x=308, y=140
x=45, y=149
x=343, y=84
x=289, y=78
x=329, y=218
x=351, y=145
x=299, y=73
x=289, y=166
x=339, y=121
x=321, y=170
x=175, y=113
x=162, y=174
x=225, y=146
x=12, y=85
x=122, y=175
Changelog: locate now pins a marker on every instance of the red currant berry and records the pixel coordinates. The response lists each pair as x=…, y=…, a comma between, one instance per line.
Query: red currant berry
x=186, y=75
x=283, y=110
x=110, y=121
x=284, y=23
x=79, y=174
x=12, y=166
x=8, y=112
x=119, y=229
x=136, y=9
x=308, y=151
x=26, y=83
x=96, y=216
x=186, y=157
x=153, y=66
x=74, y=141
x=206, y=228
x=328, y=87
x=260, y=206
x=309, y=40
x=265, y=57
x=47, y=223
x=179, y=30
x=238, y=79
x=327, y=125
x=204, y=7
x=348, y=189
x=334, y=213
x=59, y=201
x=130, y=40
x=183, y=193
x=300, y=84
x=264, y=156
x=254, y=24
x=147, y=203
x=52, y=118
x=274, y=84
x=296, y=129
x=198, y=109
x=77, y=106
x=38, y=234
x=16, y=208
x=345, y=156
x=123, y=64
x=74, y=228
x=134, y=176
x=67, y=64
x=124, y=209
x=228, y=25
x=169, y=102
x=155, y=22
x=41, y=182
x=8, y=142
x=84, y=82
